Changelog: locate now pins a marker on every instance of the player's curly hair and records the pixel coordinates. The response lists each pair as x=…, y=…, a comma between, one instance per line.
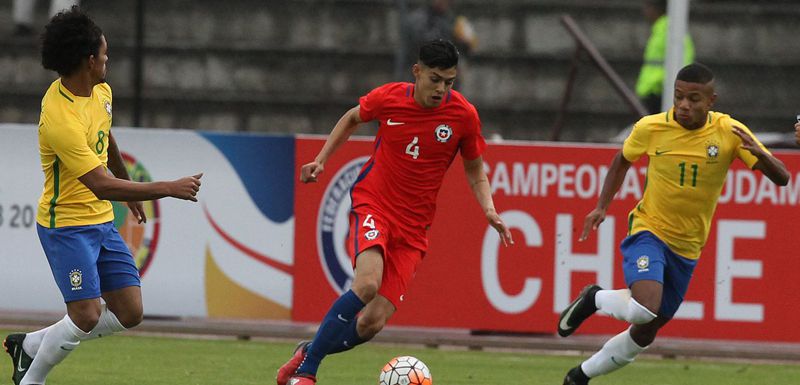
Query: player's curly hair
x=439, y=53
x=68, y=38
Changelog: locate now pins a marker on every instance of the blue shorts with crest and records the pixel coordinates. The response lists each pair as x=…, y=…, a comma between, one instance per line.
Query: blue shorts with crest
x=645, y=257
x=87, y=261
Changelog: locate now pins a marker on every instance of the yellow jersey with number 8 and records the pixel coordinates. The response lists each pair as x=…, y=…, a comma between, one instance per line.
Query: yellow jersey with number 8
x=685, y=176
x=73, y=140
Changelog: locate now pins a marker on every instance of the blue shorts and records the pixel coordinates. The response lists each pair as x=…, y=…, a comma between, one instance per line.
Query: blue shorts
x=645, y=257
x=87, y=261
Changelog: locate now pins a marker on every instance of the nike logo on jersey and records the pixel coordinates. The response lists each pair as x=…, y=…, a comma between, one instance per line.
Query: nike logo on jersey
x=391, y=123
x=563, y=324
x=294, y=381
x=339, y=316
x=660, y=152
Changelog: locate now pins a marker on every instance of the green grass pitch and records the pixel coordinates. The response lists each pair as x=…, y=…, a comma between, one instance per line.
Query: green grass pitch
x=129, y=360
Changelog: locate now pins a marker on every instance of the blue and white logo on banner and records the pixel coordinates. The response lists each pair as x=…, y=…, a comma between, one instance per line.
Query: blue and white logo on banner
x=333, y=225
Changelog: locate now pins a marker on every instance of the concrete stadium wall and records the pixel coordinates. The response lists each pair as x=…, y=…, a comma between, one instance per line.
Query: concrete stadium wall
x=295, y=66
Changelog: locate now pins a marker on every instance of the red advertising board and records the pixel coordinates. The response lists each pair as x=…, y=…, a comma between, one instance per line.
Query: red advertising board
x=744, y=287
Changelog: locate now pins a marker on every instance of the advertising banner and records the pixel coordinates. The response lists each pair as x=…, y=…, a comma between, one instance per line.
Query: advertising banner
x=230, y=255
x=742, y=288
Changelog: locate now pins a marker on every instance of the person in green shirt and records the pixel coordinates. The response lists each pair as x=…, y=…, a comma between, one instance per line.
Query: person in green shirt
x=650, y=84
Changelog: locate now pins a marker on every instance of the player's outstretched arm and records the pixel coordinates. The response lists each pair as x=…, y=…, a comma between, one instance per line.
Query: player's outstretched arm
x=612, y=183
x=769, y=165
x=340, y=133
x=117, y=167
x=106, y=187
x=479, y=183
x=773, y=168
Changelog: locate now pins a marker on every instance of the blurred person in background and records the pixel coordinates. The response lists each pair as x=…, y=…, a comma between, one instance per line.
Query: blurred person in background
x=434, y=21
x=797, y=130
x=650, y=85
x=75, y=219
x=423, y=126
x=22, y=14
x=690, y=150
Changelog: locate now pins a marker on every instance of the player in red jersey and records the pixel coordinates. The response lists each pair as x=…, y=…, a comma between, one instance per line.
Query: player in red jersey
x=422, y=127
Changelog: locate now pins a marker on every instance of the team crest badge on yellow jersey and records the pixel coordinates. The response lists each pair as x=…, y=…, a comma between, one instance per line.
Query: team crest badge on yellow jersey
x=712, y=150
x=643, y=263
x=443, y=133
x=76, y=279
x=107, y=105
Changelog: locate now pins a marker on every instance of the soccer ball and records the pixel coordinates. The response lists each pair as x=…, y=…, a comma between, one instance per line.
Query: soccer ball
x=405, y=370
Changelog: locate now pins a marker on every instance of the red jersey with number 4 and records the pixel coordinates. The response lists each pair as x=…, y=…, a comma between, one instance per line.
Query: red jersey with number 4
x=413, y=150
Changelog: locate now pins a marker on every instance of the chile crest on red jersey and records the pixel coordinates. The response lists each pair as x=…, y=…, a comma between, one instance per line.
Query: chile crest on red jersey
x=443, y=133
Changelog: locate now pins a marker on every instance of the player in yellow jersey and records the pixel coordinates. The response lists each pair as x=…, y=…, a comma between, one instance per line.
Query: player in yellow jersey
x=690, y=149
x=87, y=256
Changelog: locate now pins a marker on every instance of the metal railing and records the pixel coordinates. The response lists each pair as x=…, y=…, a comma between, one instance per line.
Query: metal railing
x=583, y=44
x=138, y=64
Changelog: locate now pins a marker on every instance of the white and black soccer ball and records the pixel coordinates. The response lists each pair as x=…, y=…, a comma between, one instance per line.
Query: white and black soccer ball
x=405, y=370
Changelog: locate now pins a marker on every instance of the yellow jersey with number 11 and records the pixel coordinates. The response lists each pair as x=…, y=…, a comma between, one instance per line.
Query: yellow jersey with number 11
x=73, y=140
x=685, y=176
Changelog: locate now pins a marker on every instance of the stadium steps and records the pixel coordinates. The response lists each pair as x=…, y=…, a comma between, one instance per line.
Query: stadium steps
x=247, y=89
x=247, y=64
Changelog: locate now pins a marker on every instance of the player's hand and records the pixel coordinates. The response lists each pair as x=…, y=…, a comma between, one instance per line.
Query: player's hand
x=797, y=132
x=138, y=211
x=309, y=171
x=594, y=219
x=186, y=188
x=748, y=143
x=497, y=223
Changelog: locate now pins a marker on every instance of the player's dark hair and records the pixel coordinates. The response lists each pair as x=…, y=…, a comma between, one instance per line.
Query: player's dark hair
x=68, y=38
x=695, y=73
x=439, y=53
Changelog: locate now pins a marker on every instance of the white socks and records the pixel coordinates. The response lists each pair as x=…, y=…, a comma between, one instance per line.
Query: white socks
x=107, y=325
x=52, y=344
x=60, y=339
x=32, y=341
x=620, y=350
x=620, y=305
x=616, y=353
